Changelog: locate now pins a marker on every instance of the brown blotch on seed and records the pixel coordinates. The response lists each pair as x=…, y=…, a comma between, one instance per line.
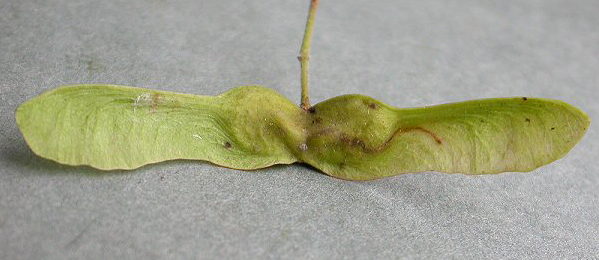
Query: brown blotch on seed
x=527, y=120
x=524, y=98
x=553, y=128
x=372, y=106
x=312, y=110
x=359, y=143
x=155, y=100
x=227, y=145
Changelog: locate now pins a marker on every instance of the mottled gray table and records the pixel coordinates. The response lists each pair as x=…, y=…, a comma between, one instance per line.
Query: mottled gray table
x=405, y=53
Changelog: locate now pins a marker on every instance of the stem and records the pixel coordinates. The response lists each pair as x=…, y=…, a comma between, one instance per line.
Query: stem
x=304, y=56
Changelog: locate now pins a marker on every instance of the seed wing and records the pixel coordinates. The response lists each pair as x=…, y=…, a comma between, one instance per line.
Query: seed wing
x=116, y=127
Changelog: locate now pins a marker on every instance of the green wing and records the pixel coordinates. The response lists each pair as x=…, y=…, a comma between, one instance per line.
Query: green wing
x=115, y=127
x=358, y=138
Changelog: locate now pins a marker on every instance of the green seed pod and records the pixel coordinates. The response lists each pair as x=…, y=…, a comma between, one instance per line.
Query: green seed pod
x=351, y=137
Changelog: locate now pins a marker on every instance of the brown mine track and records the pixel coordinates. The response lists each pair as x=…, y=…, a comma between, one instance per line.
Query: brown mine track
x=417, y=128
x=155, y=99
x=357, y=142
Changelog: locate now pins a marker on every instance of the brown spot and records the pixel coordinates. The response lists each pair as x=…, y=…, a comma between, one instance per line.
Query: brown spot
x=344, y=138
x=372, y=106
x=161, y=178
x=227, y=145
x=355, y=142
x=317, y=120
x=524, y=98
x=527, y=120
x=155, y=99
x=553, y=128
x=358, y=142
x=312, y=110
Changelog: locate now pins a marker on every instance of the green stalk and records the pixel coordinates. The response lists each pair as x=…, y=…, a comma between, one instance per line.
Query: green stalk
x=304, y=56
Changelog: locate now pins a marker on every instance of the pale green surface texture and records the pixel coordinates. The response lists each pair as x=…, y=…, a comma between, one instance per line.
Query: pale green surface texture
x=351, y=137
x=359, y=138
x=116, y=127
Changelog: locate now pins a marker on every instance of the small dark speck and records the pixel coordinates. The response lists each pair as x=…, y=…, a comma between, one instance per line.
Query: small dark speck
x=527, y=120
x=553, y=128
x=227, y=145
x=312, y=110
x=482, y=121
x=524, y=98
x=161, y=178
x=372, y=105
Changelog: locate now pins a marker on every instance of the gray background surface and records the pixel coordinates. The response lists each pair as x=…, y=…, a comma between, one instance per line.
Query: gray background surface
x=405, y=53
